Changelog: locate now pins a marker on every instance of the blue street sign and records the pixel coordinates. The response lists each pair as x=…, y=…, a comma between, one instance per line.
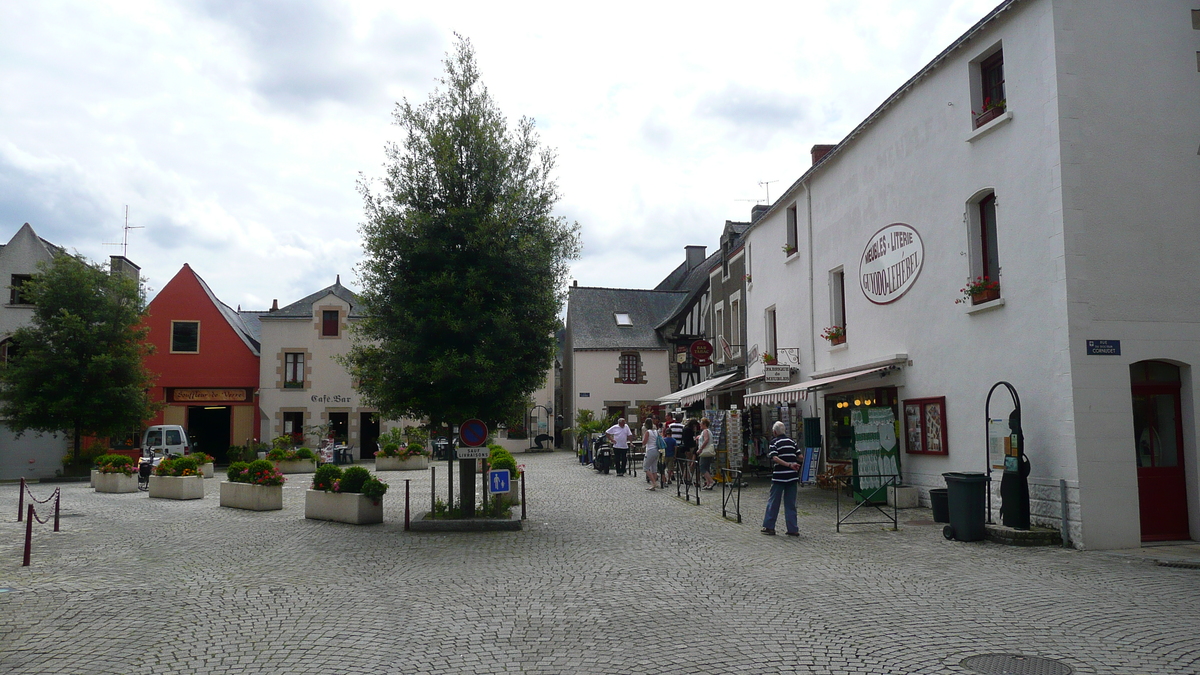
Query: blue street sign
x=1104, y=347
x=498, y=480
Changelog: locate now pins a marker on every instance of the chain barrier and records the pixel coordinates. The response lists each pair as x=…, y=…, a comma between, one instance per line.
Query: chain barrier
x=30, y=515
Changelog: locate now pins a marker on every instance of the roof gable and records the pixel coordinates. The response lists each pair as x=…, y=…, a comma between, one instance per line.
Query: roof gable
x=593, y=325
x=179, y=285
x=303, y=308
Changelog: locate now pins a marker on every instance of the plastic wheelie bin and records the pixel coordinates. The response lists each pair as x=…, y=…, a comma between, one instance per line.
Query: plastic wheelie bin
x=938, y=501
x=966, y=499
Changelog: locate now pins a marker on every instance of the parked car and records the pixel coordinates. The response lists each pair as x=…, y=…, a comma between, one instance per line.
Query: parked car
x=166, y=439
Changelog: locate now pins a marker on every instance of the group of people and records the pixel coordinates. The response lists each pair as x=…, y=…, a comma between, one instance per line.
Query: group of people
x=694, y=440
x=664, y=444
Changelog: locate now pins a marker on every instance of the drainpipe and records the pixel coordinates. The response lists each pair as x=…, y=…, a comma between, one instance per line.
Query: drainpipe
x=812, y=315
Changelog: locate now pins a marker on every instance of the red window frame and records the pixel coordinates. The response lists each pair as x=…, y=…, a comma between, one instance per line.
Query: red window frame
x=919, y=429
x=330, y=318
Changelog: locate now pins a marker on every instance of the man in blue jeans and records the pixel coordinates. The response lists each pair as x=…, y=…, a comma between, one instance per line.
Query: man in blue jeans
x=785, y=476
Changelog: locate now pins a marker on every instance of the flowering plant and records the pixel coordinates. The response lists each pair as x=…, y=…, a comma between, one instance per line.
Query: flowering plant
x=355, y=479
x=114, y=464
x=788, y=249
x=278, y=454
x=179, y=466
x=258, y=472
x=402, y=451
x=977, y=287
x=832, y=333
x=202, y=458
x=747, y=278
x=769, y=359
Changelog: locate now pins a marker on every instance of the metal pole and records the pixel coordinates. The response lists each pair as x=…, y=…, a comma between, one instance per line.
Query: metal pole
x=450, y=481
x=21, y=501
x=522, y=495
x=28, y=536
x=432, y=489
x=407, y=483
x=483, y=484
x=57, y=500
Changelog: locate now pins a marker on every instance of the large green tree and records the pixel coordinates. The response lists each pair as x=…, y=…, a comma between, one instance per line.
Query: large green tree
x=465, y=269
x=78, y=366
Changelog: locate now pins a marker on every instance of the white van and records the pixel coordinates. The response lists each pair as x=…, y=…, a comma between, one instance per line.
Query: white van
x=166, y=439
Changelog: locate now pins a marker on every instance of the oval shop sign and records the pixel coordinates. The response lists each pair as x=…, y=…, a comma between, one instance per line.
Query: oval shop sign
x=890, y=263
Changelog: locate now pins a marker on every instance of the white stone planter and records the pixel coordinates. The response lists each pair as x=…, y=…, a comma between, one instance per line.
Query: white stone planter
x=251, y=497
x=114, y=482
x=903, y=496
x=207, y=470
x=419, y=463
x=177, y=487
x=94, y=474
x=352, y=508
x=297, y=466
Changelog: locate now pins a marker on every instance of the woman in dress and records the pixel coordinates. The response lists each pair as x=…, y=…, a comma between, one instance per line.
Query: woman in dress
x=650, y=446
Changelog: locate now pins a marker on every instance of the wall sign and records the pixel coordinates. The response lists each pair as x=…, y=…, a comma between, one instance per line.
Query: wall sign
x=890, y=263
x=777, y=374
x=702, y=351
x=1104, y=347
x=209, y=395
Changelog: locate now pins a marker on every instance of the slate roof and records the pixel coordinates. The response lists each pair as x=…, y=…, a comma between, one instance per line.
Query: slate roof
x=303, y=308
x=691, y=285
x=590, y=315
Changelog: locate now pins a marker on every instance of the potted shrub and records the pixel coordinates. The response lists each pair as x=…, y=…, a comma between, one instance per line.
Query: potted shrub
x=254, y=486
x=290, y=459
x=352, y=496
x=836, y=335
x=205, y=462
x=411, y=457
x=177, y=478
x=114, y=474
x=979, y=290
x=500, y=458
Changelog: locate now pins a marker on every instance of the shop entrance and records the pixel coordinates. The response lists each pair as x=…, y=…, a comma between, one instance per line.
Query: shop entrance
x=208, y=430
x=1158, y=438
x=339, y=426
x=368, y=434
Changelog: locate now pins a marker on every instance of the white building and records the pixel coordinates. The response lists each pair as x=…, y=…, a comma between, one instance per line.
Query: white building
x=32, y=455
x=1052, y=148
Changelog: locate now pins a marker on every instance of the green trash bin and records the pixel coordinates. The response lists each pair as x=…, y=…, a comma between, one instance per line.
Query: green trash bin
x=938, y=501
x=967, y=502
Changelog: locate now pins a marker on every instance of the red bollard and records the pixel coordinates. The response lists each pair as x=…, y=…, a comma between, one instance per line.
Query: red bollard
x=21, y=502
x=57, y=499
x=406, y=522
x=522, y=495
x=28, y=536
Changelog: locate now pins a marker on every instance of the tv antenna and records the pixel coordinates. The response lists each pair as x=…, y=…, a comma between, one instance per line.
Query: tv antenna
x=125, y=243
x=767, y=184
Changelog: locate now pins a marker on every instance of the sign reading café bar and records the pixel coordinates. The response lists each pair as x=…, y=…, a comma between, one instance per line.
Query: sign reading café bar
x=890, y=263
x=231, y=395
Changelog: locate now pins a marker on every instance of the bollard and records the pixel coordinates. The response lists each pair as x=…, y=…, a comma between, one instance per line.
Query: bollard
x=522, y=495
x=21, y=501
x=28, y=536
x=57, y=501
x=407, y=481
x=432, y=489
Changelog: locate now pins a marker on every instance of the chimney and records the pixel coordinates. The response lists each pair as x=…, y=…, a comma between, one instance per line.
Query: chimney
x=576, y=283
x=694, y=256
x=819, y=151
x=275, y=305
x=757, y=211
x=119, y=264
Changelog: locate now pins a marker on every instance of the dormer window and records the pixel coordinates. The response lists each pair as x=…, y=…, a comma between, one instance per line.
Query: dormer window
x=623, y=318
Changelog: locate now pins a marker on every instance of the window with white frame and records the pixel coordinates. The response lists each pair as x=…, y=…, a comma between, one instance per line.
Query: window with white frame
x=988, y=97
x=791, y=245
x=630, y=368
x=772, y=340
x=719, y=331
x=735, y=323
x=837, y=307
x=983, y=283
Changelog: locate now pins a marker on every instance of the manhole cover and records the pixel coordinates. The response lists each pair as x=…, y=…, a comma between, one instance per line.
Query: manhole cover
x=1014, y=664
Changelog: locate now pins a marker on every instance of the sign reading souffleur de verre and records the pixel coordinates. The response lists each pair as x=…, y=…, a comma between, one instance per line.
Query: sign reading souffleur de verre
x=890, y=263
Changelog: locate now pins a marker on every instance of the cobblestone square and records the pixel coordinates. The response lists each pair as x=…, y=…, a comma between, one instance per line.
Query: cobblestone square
x=606, y=577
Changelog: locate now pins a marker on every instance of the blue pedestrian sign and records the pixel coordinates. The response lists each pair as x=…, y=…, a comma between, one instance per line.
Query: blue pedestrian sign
x=498, y=480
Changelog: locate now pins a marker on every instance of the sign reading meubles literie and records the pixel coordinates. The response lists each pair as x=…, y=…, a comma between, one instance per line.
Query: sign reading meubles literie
x=208, y=395
x=890, y=263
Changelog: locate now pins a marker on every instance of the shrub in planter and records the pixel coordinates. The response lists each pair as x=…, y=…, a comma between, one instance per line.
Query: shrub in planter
x=350, y=496
x=326, y=476
x=352, y=479
x=114, y=474
x=122, y=464
x=179, y=466
x=259, y=472
x=165, y=482
x=254, y=486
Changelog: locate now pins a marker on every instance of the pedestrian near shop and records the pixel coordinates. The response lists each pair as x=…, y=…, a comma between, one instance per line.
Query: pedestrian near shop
x=619, y=435
x=685, y=454
x=669, y=447
x=650, y=446
x=707, y=451
x=785, y=476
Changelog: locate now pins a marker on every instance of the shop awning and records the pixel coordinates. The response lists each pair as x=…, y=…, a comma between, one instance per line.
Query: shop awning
x=738, y=384
x=696, y=392
x=795, y=392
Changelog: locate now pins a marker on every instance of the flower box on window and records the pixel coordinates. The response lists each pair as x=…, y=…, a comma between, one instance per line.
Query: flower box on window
x=990, y=112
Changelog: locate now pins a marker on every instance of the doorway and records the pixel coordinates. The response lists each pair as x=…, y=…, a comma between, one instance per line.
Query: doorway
x=368, y=434
x=1158, y=446
x=208, y=430
x=339, y=426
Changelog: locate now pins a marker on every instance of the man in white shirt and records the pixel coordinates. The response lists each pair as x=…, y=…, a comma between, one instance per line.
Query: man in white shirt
x=619, y=435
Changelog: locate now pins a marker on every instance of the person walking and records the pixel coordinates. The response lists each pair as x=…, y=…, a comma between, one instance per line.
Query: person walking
x=650, y=446
x=707, y=451
x=785, y=462
x=669, y=447
x=675, y=435
x=619, y=435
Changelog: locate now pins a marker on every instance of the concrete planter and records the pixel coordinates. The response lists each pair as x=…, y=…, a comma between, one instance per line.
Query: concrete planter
x=177, y=487
x=206, y=470
x=114, y=482
x=297, y=466
x=352, y=508
x=419, y=463
x=251, y=497
x=94, y=474
x=903, y=496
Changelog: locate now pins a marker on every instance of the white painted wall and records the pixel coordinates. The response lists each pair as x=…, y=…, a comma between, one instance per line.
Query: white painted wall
x=595, y=371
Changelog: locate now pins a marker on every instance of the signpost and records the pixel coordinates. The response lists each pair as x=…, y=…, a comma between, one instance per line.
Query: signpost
x=471, y=453
x=498, y=481
x=474, y=434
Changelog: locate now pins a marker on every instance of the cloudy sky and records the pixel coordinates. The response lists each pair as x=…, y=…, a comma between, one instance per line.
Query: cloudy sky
x=235, y=130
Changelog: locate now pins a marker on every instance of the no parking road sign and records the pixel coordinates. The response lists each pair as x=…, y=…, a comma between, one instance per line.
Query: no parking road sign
x=498, y=480
x=473, y=433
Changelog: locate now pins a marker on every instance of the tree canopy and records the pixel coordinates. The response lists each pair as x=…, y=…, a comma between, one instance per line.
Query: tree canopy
x=78, y=366
x=466, y=267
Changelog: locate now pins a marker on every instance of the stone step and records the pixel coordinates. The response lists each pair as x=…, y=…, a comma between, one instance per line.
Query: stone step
x=1034, y=536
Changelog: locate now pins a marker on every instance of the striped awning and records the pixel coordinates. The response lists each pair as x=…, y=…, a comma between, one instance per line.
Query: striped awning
x=696, y=392
x=796, y=392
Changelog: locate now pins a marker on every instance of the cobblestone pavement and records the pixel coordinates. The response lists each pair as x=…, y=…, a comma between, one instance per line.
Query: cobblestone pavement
x=606, y=578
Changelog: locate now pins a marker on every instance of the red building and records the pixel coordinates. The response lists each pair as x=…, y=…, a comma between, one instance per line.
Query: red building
x=205, y=363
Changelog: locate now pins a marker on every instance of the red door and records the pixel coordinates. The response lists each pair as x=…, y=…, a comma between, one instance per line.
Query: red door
x=1158, y=436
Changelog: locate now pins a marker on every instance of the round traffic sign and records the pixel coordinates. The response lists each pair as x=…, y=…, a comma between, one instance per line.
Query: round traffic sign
x=473, y=433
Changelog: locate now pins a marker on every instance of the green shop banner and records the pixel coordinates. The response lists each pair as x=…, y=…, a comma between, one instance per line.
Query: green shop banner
x=876, y=452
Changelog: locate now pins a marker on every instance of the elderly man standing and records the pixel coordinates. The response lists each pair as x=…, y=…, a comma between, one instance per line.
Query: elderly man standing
x=786, y=475
x=619, y=435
